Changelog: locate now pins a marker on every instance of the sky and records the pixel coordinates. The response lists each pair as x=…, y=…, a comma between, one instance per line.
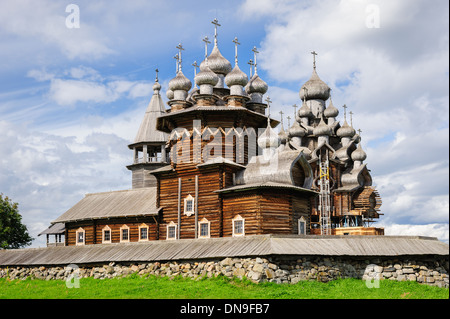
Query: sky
x=72, y=95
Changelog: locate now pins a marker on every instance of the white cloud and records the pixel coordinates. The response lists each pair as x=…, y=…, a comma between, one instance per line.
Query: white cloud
x=394, y=78
x=45, y=22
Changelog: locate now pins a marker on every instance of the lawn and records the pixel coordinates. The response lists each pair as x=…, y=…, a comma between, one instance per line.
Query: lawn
x=152, y=287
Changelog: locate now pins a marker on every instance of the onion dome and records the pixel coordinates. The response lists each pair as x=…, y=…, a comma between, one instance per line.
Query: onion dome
x=269, y=139
x=236, y=77
x=304, y=111
x=180, y=82
x=169, y=94
x=359, y=154
x=345, y=130
x=322, y=129
x=314, y=88
x=217, y=63
x=283, y=135
x=206, y=76
x=331, y=110
x=156, y=87
x=296, y=130
x=256, y=85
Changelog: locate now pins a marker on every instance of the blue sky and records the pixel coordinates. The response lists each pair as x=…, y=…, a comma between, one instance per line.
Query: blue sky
x=71, y=100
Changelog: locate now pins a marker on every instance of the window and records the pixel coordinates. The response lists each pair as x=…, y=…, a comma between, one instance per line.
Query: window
x=79, y=236
x=189, y=205
x=124, y=234
x=238, y=226
x=106, y=237
x=203, y=228
x=143, y=232
x=302, y=226
x=171, y=231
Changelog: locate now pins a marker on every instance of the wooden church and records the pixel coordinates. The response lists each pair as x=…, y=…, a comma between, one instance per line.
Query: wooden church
x=212, y=165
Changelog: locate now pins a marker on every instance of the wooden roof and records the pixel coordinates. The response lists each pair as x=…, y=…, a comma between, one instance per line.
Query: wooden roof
x=258, y=245
x=124, y=203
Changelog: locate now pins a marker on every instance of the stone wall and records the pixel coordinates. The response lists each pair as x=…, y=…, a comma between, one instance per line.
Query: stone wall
x=431, y=271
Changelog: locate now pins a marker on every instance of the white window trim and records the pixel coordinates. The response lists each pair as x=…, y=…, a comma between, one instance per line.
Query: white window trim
x=171, y=224
x=80, y=230
x=106, y=228
x=301, y=220
x=190, y=212
x=239, y=218
x=204, y=221
x=140, y=227
x=121, y=234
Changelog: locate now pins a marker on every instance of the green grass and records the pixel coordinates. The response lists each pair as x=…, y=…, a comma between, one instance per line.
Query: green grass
x=213, y=288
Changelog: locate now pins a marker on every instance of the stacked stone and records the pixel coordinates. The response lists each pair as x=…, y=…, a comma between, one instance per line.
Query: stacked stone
x=280, y=270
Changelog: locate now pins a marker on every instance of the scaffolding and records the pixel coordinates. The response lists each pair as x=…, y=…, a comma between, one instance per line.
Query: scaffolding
x=324, y=196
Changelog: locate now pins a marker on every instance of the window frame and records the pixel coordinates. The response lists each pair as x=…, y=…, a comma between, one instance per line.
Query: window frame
x=105, y=229
x=77, y=232
x=238, y=218
x=170, y=225
x=204, y=221
x=192, y=210
x=143, y=226
x=301, y=220
x=124, y=227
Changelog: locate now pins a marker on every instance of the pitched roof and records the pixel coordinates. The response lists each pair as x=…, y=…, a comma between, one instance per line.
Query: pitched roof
x=147, y=131
x=124, y=203
x=257, y=245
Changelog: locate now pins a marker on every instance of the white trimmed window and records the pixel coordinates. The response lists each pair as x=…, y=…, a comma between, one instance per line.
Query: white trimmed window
x=302, y=226
x=171, y=231
x=143, y=232
x=80, y=236
x=124, y=234
x=189, y=204
x=204, y=227
x=106, y=235
x=238, y=226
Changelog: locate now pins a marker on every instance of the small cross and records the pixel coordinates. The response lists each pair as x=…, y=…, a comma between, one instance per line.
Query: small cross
x=251, y=65
x=268, y=100
x=314, y=53
x=176, y=57
x=216, y=24
x=206, y=40
x=236, y=43
x=359, y=132
x=345, y=111
x=351, y=118
x=281, y=114
x=180, y=48
x=195, y=65
x=295, y=107
x=156, y=80
x=289, y=121
x=255, y=51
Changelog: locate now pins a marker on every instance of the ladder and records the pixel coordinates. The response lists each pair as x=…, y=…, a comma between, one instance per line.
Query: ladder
x=324, y=196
